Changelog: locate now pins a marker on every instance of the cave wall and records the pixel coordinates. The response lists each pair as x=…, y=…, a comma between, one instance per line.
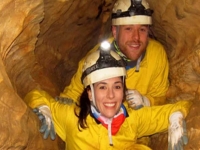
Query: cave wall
x=176, y=27
x=43, y=40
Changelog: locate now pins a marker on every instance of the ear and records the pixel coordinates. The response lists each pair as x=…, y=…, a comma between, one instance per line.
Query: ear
x=89, y=95
x=114, y=31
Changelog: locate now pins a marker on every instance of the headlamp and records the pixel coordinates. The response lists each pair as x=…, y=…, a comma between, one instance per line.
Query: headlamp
x=105, y=45
x=105, y=60
x=136, y=8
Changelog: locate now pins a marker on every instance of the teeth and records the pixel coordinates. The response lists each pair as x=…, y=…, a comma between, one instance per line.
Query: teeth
x=109, y=104
x=135, y=45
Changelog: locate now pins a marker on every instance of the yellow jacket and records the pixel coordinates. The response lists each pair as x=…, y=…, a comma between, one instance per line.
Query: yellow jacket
x=151, y=80
x=143, y=122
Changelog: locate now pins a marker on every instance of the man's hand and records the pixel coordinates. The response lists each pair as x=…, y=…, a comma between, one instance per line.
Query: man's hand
x=136, y=100
x=47, y=127
x=177, y=132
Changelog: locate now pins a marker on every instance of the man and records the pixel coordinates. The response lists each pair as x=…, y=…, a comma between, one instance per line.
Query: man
x=146, y=60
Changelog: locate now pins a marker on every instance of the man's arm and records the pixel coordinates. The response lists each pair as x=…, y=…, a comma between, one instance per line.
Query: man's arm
x=159, y=67
x=75, y=88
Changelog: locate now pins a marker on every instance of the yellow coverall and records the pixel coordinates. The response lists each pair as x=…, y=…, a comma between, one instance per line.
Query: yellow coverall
x=143, y=122
x=151, y=80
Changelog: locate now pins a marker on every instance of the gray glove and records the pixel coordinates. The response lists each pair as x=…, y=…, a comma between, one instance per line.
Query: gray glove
x=47, y=127
x=177, y=132
x=136, y=100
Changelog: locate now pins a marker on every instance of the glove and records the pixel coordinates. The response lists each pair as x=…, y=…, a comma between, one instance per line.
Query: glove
x=136, y=100
x=47, y=127
x=177, y=133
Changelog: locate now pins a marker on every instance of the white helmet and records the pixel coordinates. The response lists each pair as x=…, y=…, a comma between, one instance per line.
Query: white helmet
x=101, y=65
x=127, y=12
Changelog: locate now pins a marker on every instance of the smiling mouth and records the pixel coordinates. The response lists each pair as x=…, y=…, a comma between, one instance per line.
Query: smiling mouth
x=135, y=45
x=109, y=104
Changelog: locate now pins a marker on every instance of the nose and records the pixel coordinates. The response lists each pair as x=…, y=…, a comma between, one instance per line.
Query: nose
x=110, y=93
x=135, y=35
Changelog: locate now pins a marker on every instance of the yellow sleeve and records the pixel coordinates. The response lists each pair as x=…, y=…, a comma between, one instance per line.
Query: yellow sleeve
x=62, y=124
x=75, y=88
x=155, y=119
x=36, y=98
x=158, y=81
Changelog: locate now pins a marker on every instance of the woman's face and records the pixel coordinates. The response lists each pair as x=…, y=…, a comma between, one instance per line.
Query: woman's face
x=108, y=96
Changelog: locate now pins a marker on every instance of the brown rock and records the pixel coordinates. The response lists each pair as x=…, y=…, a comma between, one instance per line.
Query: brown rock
x=43, y=40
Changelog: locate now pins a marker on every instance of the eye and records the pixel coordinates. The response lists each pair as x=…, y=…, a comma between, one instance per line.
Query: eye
x=128, y=28
x=143, y=29
x=118, y=86
x=102, y=87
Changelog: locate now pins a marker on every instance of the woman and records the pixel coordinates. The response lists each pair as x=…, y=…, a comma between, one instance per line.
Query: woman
x=102, y=120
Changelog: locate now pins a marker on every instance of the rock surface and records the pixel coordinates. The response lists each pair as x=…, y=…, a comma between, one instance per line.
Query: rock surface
x=43, y=40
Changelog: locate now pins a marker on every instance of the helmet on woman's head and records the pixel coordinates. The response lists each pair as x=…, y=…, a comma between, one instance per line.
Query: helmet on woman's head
x=101, y=65
x=128, y=12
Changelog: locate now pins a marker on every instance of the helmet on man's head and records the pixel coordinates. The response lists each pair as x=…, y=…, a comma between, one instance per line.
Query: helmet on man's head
x=128, y=12
x=101, y=65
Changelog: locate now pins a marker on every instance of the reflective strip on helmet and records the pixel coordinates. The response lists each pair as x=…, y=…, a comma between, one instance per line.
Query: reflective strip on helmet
x=146, y=20
x=103, y=74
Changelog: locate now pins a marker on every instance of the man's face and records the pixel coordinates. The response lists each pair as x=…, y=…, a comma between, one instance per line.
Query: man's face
x=109, y=95
x=131, y=39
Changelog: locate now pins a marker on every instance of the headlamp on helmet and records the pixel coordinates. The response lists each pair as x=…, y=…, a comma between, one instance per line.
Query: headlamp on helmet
x=101, y=65
x=127, y=12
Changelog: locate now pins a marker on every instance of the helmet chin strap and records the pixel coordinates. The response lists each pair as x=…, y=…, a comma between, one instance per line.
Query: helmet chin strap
x=93, y=98
x=138, y=64
x=117, y=34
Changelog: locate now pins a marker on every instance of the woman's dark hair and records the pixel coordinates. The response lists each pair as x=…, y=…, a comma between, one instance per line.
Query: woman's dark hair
x=85, y=108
